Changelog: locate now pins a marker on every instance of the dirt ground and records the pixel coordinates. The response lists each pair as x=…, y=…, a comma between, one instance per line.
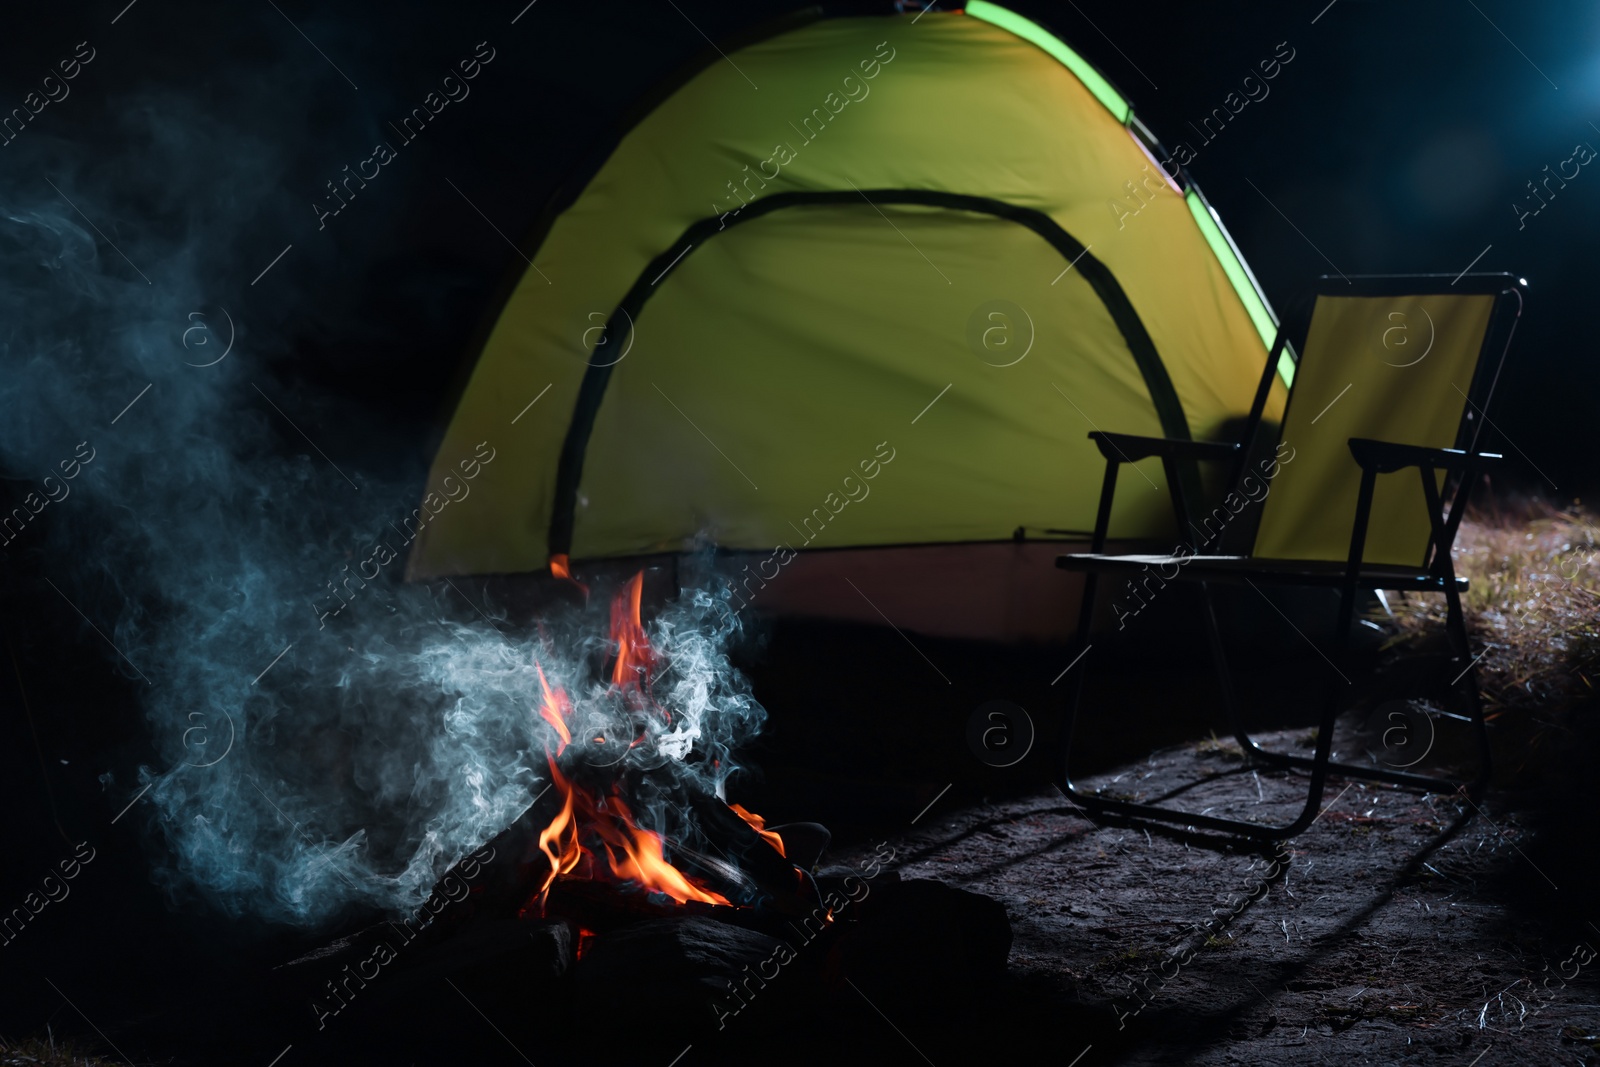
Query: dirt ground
x=1400, y=928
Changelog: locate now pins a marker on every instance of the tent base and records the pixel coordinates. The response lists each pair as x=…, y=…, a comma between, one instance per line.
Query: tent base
x=1009, y=591
x=1006, y=591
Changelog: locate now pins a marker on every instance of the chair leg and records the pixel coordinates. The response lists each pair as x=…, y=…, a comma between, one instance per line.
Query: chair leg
x=1156, y=813
x=1456, y=628
x=1320, y=764
x=1236, y=827
x=1219, y=659
x=1230, y=705
x=1069, y=723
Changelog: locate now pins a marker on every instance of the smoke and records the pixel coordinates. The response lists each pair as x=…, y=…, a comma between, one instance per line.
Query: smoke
x=312, y=754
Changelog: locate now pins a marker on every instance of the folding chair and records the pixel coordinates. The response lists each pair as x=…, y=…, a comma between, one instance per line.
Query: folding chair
x=1394, y=373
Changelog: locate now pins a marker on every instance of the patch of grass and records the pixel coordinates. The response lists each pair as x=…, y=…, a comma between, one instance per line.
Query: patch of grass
x=1533, y=609
x=1581, y=1036
x=1220, y=748
x=50, y=1052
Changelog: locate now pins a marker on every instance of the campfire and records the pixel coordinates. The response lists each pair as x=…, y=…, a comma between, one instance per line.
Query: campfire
x=632, y=878
x=595, y=836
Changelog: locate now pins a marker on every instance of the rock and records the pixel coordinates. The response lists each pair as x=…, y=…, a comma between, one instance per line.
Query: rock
x=497, y=964
x=520, y=952
x=693, y=973
x=922, y=940
x=844, y=880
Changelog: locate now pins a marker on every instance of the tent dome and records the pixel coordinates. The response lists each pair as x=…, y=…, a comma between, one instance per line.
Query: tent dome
x=861, y=282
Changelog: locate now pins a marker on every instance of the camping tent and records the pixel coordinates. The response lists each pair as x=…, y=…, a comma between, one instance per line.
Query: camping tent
x=858, y=284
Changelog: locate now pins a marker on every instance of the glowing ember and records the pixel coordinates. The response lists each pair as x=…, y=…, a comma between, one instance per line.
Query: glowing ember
x=595, y=836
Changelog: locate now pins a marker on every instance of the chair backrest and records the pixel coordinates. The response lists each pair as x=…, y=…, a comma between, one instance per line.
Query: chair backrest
x=1407, y=359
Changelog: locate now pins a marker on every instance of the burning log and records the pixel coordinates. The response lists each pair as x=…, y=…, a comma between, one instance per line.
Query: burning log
x=887, y=944
x=735, y=862
x=756, y=854
x=598, y=908
x=683, y=968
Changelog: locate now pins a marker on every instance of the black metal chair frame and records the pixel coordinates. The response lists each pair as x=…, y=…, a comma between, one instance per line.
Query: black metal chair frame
x=1436, y=573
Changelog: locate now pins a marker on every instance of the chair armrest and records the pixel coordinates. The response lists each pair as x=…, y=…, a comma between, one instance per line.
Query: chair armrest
x=1129, y=448
x=1384, y=457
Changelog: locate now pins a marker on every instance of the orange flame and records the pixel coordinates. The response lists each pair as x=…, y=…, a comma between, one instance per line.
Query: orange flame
x=559, y=840
x=561, y=567
x=759, y=825
x=554, y=711
x=635, y=658
x=625, y=852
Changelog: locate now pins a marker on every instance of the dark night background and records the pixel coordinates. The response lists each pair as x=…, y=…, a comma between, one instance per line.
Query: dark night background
x=1396, y=141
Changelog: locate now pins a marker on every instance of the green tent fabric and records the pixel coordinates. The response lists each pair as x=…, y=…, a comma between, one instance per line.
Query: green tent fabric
x=862, y=282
